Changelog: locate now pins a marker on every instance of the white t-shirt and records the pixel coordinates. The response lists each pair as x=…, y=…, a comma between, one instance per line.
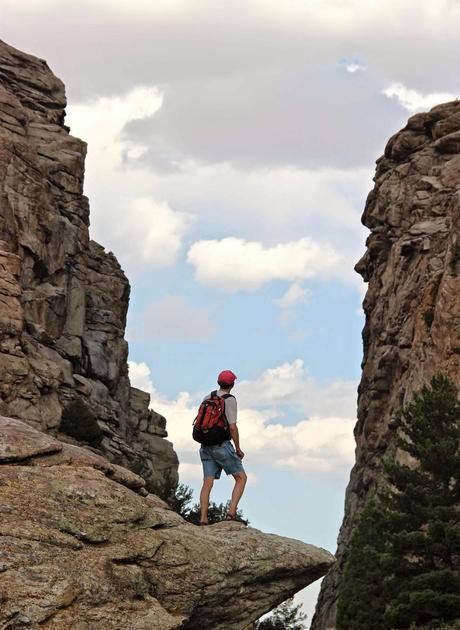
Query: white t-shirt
x=231, y=410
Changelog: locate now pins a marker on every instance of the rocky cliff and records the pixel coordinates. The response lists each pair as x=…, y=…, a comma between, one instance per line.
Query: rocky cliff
x=63, y=298
x=412, y=305
x=84, y=547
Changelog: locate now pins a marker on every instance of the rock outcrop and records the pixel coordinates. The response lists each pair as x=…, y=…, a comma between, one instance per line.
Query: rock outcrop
x=63, y=299
x=83, y=546
x=412, y=305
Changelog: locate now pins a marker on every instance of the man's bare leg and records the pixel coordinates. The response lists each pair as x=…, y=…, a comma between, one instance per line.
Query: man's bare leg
x=208, y=482
x=240, y=482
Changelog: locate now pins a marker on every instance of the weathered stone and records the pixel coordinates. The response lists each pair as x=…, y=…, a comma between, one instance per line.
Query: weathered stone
x=449, y=143
x=61, y=367
x=63, y=298
x=412, y=304
x=83, y=384
x=40, y=409
x=75, y=314
x=19, y=441
x=77, y=547
x=70, y=347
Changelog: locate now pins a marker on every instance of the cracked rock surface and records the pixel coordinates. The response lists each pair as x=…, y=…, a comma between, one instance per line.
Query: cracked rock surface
x=412, y=304
x=63, y=298
x=81, y=548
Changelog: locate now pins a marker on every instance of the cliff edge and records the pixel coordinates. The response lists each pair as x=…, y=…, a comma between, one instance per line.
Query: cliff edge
x=412, y=304
x=63, y=298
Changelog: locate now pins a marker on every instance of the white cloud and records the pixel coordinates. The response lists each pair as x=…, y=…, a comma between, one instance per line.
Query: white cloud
x=275, y=386
x=273, y=205
x=113, y=7
x=317, y=445
x=295, y=294
x=282, y=69
x=354, y=67
x=323, y=444
x=306, y=129
x=143, y=230
x=171, y=318
x=139, y=375
x=148, y=233
x=415, y=101
x=110, y=114
x=144, y=214
x=233, y=264
x=189, y=471
x=289, y=384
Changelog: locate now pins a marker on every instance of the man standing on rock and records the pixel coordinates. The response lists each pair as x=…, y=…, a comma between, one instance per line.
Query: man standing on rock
x=215, y=427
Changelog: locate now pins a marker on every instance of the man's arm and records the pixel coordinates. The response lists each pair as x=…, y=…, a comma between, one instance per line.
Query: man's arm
x=231, y=412
x=236, y=439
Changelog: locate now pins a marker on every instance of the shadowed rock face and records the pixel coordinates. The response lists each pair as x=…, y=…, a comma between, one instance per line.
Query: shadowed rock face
x=412, y=305
x=63, y=299
x=81, y=548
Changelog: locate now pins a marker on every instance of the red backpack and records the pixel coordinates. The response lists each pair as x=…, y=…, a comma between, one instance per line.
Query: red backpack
x=210, y=427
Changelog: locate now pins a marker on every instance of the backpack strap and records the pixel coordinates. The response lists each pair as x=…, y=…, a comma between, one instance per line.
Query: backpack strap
x=214, y=394
x=225, y=396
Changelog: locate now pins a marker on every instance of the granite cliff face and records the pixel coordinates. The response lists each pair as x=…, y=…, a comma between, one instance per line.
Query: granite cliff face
x=63, y=299
x=82, y=548
x=412, y=305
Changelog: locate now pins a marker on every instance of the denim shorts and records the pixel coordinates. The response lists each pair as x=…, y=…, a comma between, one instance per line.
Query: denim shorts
x=216, y=458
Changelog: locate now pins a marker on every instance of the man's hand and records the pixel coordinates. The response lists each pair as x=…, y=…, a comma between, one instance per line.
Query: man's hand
x=240, y=453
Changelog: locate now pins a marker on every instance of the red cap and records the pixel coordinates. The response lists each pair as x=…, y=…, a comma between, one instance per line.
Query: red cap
x=227, y=377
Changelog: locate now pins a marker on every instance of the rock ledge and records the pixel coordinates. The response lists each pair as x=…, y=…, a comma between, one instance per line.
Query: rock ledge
x=82, y=549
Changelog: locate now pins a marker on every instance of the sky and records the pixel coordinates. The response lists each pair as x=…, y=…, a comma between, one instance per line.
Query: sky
x=231, y=146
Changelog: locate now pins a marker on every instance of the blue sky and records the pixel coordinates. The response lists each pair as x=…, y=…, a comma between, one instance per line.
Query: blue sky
x=248, y=330
x=231, y=149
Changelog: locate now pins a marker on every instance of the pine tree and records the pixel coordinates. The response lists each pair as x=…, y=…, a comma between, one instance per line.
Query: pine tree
x=423, y=511
x=408, y=538
x=287, y=616
x=360, y=604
